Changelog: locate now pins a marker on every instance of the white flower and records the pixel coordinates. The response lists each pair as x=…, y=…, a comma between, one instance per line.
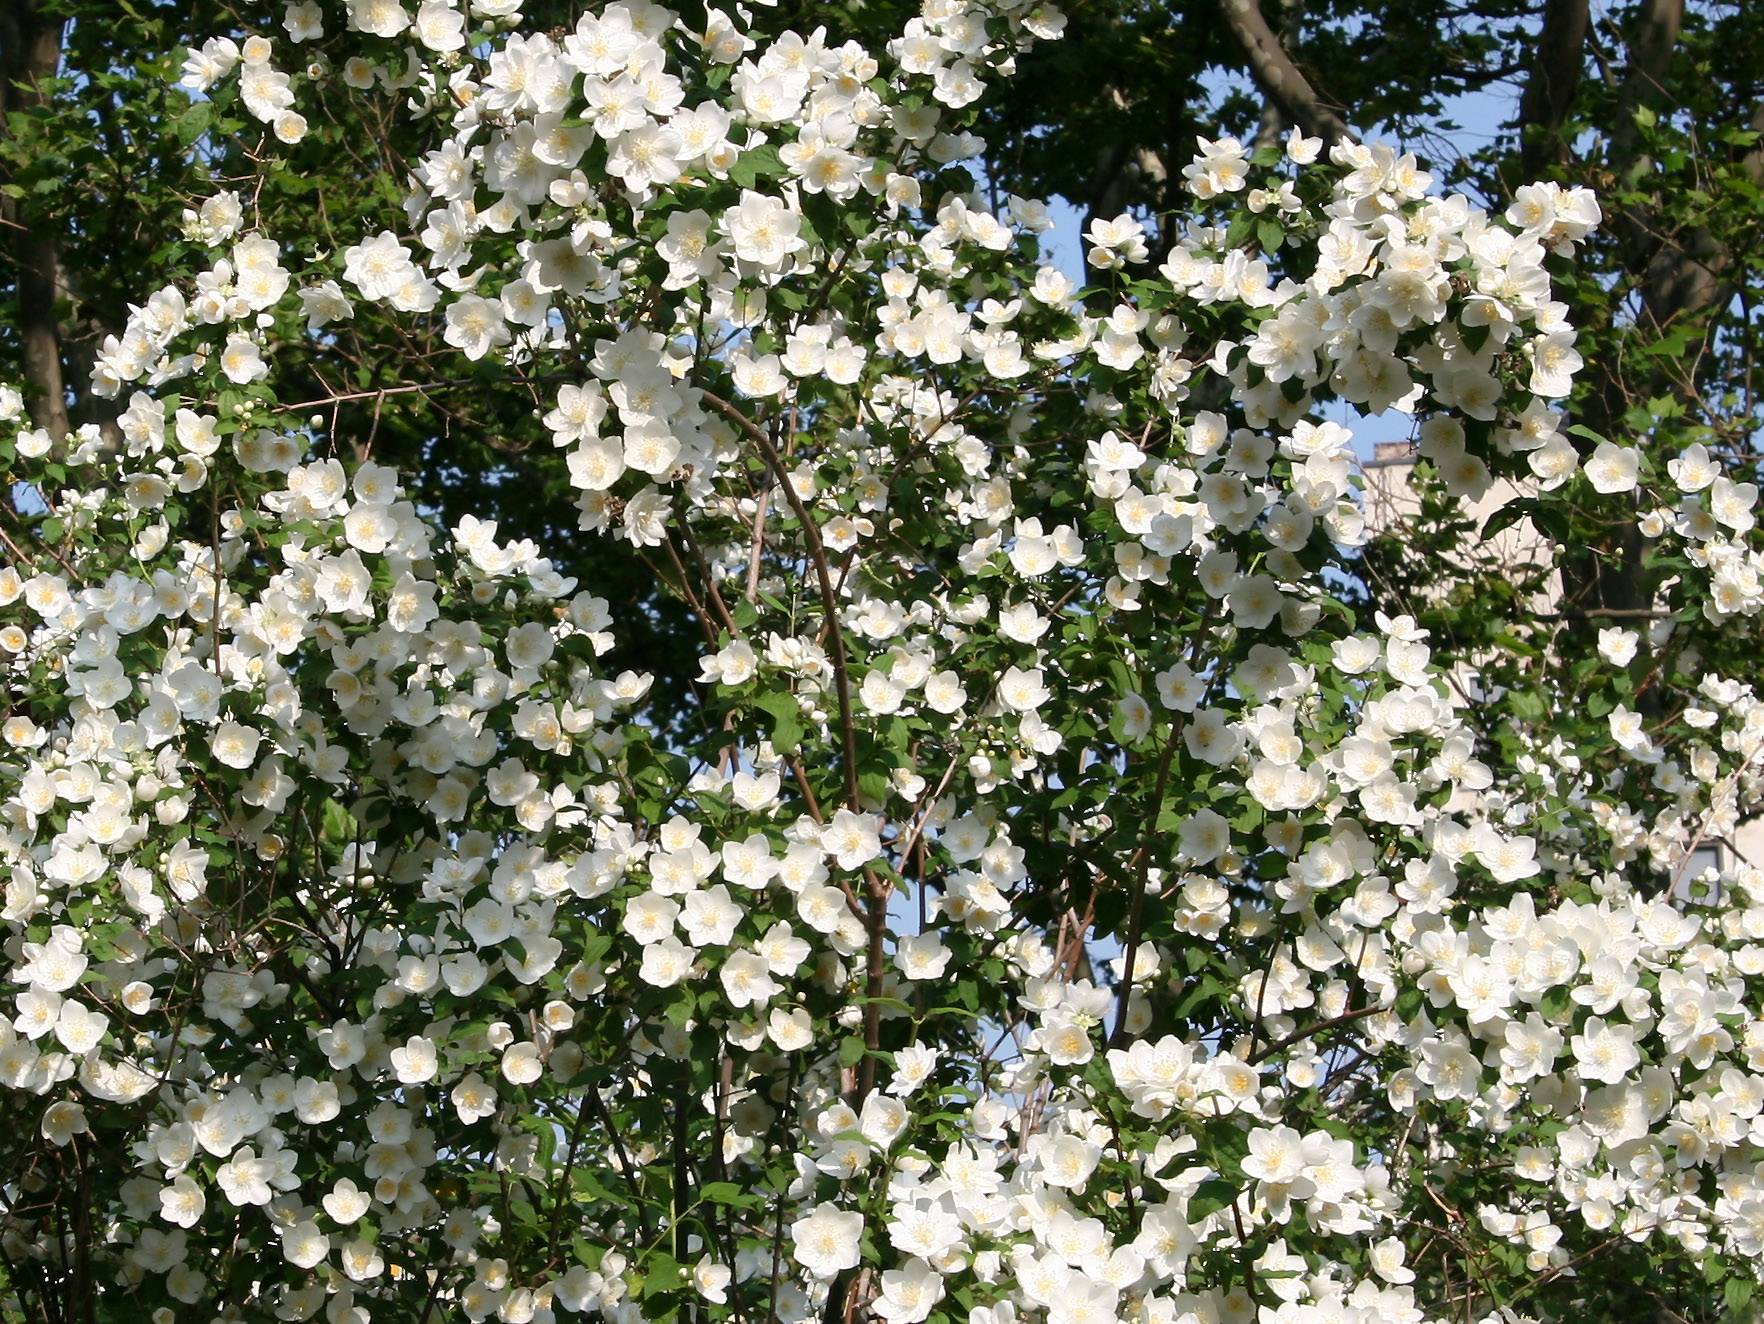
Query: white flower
x=521, y=1064
x=1509, y=859
x=1617, y=646
x=762, y=229
x=1611, y=468
x=910, y=1293
x=1022, y=690
x=944, y=692
x=1033, y=553
x=440, y=26
x=1605, y=1053
x=1204, y=836
x=758, y=376
x=712, y=1280
x=1065, y=1161
x=244, y=1178
x=361, y=1261
x=666, y=963
x=1023, y=623
x=790, y=1030
x=529, y=647
x=853, y=840
x=921, y=956
x=303, y=20
x=78, y=1028
x=381, y=18
x=241, y=360
x=182, y=1202
x=1275, y=1155
x=62, y=1121
x=473, y=1098
x=475, y=325
x=235, y=744
x=825, y=1240
x=1554, y=361
x=1300, y=149
x=415, y=1062
x=303, y=1245
x=197, y=433
x=881, y=693
x=747, y=980
x=1115, y=243
x=1387, y=1261
x=345, y=1202
x=1731, y=503
x=882, y=1120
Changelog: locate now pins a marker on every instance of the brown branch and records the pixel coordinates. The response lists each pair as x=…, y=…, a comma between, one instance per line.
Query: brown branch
x=1310, y=1031
x=1650, y=54
x=811, y=533
x=757, y=549
x=1555, y=75
x=876, y=892
x=1142, y=868
x=30, y=52
x=1275, y=73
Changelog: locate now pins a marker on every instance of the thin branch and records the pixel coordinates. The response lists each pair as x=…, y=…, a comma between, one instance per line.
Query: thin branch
x=811, y=532
x=1310, y=1031
x=1142, y=869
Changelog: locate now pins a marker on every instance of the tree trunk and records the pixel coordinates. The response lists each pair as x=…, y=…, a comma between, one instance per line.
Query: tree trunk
x=30, y=53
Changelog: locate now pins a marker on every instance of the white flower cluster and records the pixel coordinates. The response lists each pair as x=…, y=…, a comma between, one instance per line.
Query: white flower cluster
x=379, y=939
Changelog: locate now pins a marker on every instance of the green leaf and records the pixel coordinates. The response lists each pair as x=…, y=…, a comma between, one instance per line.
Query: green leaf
x=875, y=785
x=1737, y=1292
x=661, y=1273
x=339, y=826
x=1210, y=1197
x=194, y=122
x=727, y=1192
x=1506, y=517
x=750, y=167
x=787, y=727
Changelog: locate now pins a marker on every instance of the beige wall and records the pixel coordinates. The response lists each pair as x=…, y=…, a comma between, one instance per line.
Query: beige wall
x=1391, y=500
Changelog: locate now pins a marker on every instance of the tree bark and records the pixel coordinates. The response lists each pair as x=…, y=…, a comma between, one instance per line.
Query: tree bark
x=1555, y=75
x=1276, y=74
x=1678, y=276
x=30, y=52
